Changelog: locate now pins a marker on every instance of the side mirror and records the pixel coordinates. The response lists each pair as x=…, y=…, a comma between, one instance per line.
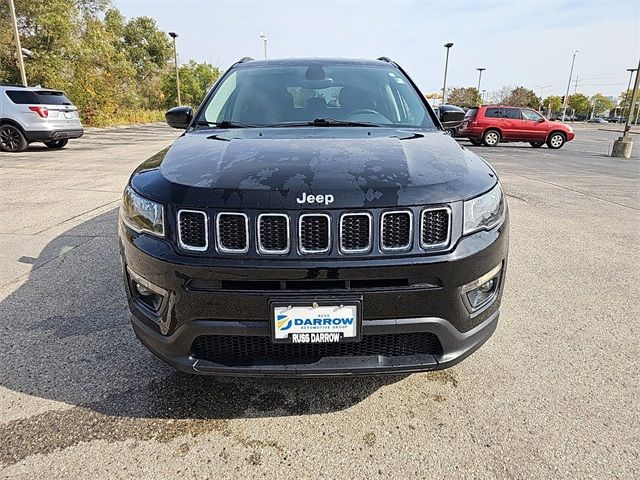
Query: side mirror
x=541, y=120
x=179, y=117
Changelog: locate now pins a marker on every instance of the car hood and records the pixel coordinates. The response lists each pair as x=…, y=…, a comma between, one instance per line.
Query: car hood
x=278, y=168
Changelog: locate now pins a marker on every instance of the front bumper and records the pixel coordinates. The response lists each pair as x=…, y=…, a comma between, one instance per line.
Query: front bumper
x=195, y=305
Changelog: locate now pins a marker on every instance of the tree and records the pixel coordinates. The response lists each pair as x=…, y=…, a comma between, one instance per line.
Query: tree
x=195, y=80
x=523, y=97
x=463, y=97
x=580, y=103
x=553, y=103
x=601, y=104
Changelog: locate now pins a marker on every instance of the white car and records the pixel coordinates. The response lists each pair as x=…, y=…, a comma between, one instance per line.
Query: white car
x=34, y=114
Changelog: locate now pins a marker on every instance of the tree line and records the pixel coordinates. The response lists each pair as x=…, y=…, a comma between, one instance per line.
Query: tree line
x=579, y=103
x=116, y=70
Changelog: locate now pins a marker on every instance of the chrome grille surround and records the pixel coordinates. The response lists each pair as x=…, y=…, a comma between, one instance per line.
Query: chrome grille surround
x=342, y=234
x=301, y=220
x=409, y=243
x=444, y=243
x=181, y=241
x=219, y=244
x=261, y=247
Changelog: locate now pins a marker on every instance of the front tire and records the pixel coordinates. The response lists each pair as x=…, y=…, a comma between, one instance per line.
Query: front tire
x=536, y=144
x=491, y=138
x=57, y=143
x=556, y=140
x=12, y=139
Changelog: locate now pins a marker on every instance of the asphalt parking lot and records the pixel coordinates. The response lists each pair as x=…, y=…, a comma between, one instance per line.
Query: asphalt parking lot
x=554, y=393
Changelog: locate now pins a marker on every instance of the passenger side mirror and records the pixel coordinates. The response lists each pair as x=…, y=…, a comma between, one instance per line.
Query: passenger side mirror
x=541, y=120
x=179, y=117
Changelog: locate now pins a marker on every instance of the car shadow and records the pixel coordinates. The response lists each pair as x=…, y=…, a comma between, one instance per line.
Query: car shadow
x=66, y=336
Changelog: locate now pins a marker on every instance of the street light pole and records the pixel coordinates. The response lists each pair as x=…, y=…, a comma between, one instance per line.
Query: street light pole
x=174, y=35
x=14, y=21
x=630, y=70
x=446, y=66
x=622, y=146
x=263, y=36
x=566, y=97
x=542, y=87
x=480, y=70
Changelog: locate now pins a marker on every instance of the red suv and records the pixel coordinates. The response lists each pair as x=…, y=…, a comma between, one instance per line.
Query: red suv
x=495, y=124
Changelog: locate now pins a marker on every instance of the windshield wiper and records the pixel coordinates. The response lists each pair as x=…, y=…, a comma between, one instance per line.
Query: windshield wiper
x=325, y=122
x=225, y=124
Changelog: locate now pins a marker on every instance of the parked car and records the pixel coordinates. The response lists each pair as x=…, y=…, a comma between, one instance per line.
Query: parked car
x=617, y=119
x=451, y=117
x=490, y=125
x=597, y=120
x=284, y=235
x=36, y=115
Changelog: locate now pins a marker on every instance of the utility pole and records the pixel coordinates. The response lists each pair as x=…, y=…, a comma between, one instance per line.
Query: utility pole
x=263, y=36
x=174, y=35
x=480, y=70
x=575, y=85
x=446, y=66
x=566, y=97
x=623, y=146
x=14, y=21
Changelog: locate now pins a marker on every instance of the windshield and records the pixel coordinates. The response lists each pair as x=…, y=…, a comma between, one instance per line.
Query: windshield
x=292, y=94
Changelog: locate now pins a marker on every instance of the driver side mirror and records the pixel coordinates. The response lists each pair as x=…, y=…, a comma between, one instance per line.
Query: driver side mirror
x=179, y=117
x=541, y=120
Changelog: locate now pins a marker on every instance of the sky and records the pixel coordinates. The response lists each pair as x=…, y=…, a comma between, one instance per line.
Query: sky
x=529, y=43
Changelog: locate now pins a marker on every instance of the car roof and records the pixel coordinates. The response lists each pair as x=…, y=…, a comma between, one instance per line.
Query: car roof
x=29, y=89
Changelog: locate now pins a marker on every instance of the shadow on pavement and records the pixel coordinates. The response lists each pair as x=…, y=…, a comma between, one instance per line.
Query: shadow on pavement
x=65, y=336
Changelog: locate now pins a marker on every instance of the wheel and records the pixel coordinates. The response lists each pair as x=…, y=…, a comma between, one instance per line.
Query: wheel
x=536, y=144
x=491, y=138
x=450, y=131
x=12, y=139
x=475, y=141
x=57, y=143
x=556, y=140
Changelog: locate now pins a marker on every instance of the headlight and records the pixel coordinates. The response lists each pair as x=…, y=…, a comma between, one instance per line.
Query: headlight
x=484, y=212
x=142, y=215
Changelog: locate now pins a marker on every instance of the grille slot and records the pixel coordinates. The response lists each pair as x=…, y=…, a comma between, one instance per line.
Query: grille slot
x=273, y=233
x=193, y=231
x=396, y=230
x=232, y=232
x=355, y=232
x=247, y=350
x=435, y=227
x=314, y=232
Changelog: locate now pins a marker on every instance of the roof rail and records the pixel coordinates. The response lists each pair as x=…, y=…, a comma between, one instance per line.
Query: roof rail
x=12, y=85
x=246, y=59
x=388, y=60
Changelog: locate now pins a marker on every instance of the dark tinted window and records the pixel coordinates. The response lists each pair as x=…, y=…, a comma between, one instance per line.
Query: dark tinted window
x=513, y=113
x=493, y=113
x=22, y=97
x=53, y=98
x=471, y=113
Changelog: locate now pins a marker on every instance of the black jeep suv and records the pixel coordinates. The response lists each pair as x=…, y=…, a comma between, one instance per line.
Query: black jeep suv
x=313, y=219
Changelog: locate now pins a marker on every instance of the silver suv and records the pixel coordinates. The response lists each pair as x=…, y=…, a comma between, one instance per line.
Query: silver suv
x=33, y=114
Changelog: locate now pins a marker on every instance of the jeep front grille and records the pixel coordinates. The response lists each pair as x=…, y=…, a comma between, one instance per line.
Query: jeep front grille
x=232, y=232
x=314, y=232
x=355, y=232
x=193, y=231
x=435, y=227
x=396, y=230
x=273, y=233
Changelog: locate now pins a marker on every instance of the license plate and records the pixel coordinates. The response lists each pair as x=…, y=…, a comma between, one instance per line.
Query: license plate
x=68, y=115
x=320, y=321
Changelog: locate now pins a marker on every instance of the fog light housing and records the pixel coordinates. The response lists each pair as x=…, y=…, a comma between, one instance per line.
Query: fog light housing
x=146, y=293
x=483, y=290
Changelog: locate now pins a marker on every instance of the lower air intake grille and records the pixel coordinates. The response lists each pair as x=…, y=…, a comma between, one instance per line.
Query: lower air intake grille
x=355, y=232
x=273, y=233
x=396, y=230
x=232, y=232
x=435, y=227
x=192, y=233
x=314, y=233
x=240, y=349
